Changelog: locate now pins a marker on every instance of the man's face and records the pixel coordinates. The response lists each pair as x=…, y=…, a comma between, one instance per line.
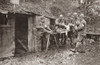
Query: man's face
x=81, y=15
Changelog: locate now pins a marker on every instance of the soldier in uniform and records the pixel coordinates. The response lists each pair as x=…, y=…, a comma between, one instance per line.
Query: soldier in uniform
x=60, y=27
x=81, y=28
x=43, y=29
x=72, y=34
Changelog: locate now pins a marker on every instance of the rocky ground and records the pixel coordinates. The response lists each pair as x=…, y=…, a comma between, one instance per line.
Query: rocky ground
x=62, y=56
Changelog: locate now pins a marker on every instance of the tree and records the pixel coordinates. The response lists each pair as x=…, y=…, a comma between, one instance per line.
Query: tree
x=88, y=7
x=4, y=1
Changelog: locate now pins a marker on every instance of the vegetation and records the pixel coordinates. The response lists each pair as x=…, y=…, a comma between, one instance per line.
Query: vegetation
x=91, y=9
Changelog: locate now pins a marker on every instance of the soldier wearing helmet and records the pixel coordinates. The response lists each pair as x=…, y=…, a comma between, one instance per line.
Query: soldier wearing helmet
x=72, y=33
x=60, y=20
x=60, y=29
x=81, y=28
x=44, y=31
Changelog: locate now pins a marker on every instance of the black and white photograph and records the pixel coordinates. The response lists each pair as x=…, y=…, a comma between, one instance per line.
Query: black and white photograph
x=49, y=32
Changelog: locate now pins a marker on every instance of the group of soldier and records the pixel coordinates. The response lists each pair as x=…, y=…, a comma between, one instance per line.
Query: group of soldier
x=71, y=28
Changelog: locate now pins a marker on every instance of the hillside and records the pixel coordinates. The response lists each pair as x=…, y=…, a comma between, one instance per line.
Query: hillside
x=55, y=7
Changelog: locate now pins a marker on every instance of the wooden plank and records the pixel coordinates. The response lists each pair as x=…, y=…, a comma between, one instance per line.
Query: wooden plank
x=31, y=34
x=7, y=45
x=34, y=36
x=93, y=33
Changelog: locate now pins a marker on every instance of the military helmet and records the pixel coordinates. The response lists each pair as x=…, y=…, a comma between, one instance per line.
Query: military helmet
x=75, y=14
x=81, y=15
x=60, y=15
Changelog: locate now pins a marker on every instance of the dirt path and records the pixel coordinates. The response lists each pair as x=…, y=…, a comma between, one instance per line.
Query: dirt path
x=61, y=57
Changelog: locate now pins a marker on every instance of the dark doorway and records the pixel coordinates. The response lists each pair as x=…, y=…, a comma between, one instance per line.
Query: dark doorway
x=3, y=19
x=21, y=34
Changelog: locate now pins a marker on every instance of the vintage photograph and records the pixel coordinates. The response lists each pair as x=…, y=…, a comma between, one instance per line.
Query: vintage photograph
x=49, y=32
